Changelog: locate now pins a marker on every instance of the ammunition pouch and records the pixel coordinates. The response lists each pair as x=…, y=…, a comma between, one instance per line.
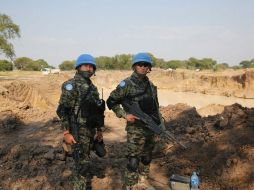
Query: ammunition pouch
x=148, y=106
x=84, y=109
x=95, y=121
x=94, y=112
x=97, y=107
x=99, y=148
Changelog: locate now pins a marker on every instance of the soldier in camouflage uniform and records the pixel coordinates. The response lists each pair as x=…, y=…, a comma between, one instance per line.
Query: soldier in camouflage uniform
x=140, y=140
x=73, y=93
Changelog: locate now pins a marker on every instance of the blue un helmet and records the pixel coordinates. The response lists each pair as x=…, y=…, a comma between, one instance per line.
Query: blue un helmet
x=142, y=57
x=85, y=59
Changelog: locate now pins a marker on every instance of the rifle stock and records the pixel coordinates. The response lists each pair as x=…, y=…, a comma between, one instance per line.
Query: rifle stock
x=134, y=108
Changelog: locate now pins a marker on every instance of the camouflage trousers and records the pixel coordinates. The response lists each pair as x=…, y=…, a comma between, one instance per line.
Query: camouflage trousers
x=140, y=142
x=83, y=179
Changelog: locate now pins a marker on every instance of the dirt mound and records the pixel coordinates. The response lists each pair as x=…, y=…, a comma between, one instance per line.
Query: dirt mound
x=181, y=118
x=211, y=109
x=227, y=83
x=236, y=116
x=220, y=149
x=25, y=95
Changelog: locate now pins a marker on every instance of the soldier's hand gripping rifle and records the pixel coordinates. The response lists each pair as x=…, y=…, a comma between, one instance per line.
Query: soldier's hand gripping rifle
x=134, y=108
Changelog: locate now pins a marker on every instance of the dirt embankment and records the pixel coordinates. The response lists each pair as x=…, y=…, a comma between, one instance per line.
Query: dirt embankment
x=227, y=83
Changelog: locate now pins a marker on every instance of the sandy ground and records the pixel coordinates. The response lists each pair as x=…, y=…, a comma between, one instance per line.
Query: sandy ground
x=220, y=139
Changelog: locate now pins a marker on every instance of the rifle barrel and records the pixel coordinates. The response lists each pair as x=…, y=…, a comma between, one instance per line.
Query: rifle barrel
x=135, y=109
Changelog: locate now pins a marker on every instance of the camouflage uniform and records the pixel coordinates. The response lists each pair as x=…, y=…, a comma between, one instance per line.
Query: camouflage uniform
x=73, y=91
x=140, y=140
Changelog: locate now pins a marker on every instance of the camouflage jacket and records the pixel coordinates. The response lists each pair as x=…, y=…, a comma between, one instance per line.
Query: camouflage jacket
x=73, y=91
x=134, y=89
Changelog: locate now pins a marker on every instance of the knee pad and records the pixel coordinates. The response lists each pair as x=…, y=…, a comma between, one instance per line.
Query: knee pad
x=133, y=164
x=146, y=159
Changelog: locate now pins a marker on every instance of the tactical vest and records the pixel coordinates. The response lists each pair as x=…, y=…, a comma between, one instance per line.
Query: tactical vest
x=146, y=98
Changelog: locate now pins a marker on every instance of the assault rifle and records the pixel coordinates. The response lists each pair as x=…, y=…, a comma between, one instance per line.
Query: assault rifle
x=75, y=147
x=134, y=108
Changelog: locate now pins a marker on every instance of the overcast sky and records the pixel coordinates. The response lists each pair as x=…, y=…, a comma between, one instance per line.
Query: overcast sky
x=58, y=30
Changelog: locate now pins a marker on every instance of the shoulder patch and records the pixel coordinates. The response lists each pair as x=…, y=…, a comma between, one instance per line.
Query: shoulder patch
x=68, y=86
x=122, y=83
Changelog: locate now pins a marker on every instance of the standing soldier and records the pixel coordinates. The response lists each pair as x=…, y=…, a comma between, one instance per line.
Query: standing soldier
x=82, y=116
x=140, y=140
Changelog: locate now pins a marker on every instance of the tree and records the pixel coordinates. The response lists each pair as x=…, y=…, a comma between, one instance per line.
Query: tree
x=221, y=66
x=104, y=62
x=36, y=65
x=246, y=64
x=159, y=63
x=174, y=64
x=27, y=64
x=206, y=63
x=5, y=65
x=8, y=31
x=123, y=61
x=191, y=63
x=67, y=65
x=21, y=63
x=41, y=64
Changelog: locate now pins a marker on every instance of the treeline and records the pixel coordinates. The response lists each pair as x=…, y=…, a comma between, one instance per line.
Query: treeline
x=24, y=64
x=123, y=62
